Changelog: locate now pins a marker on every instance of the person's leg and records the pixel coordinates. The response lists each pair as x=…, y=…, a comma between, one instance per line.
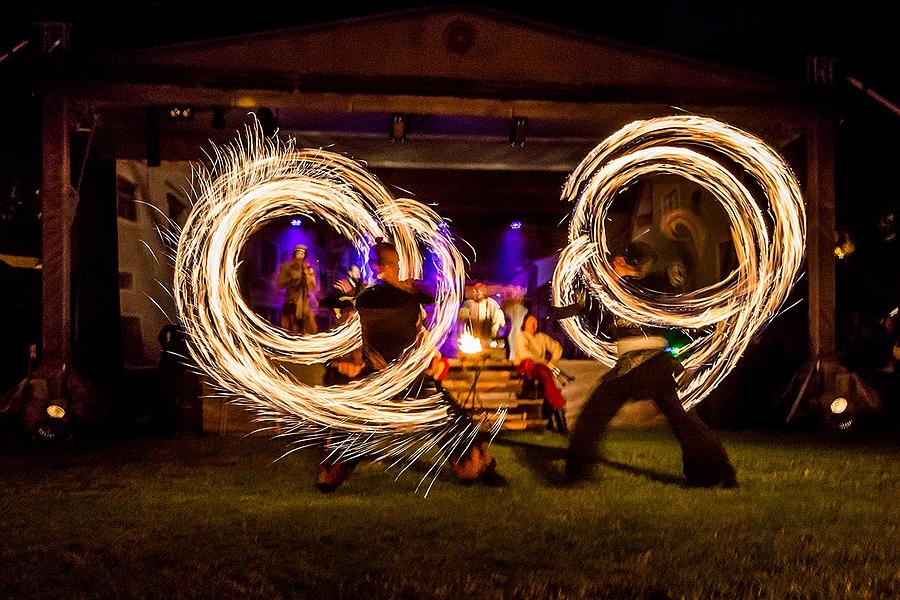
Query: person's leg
x=703, y=455
x=560, y=416
x=287, y=316
x=475, y=463
x=309, y=322
x=551, y=392
x=598, y=411
x=333, y=470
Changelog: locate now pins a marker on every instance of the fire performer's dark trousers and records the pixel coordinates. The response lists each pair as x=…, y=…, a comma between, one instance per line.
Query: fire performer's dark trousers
x=705, y=460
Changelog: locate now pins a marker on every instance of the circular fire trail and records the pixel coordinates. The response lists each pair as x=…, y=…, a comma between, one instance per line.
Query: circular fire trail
x=255, y=181
x=721, y=318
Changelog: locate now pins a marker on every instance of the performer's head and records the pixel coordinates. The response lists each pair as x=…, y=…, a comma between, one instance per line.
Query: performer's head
x=531, y=324
x=353, y=272
x=385, y=261
x=634, y=260
x=479, y=292
x=299, y=252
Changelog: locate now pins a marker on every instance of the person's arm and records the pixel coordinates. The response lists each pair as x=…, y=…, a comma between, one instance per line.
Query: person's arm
x=498, y=319
x=464, y=313
x=554, y=348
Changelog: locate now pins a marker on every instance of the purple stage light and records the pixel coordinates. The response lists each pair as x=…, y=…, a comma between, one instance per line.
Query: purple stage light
x=296, y=222
x=515, y=225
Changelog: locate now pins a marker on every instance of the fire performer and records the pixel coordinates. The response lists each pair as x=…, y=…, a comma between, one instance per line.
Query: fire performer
x=645, y=370
x=390, y=314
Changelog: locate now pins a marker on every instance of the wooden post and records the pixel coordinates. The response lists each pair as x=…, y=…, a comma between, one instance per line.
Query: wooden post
x=57, y=213
x=821, y=239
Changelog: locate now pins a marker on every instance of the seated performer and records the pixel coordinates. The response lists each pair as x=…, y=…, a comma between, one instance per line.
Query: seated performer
x=645, y=370
x=481, y=316
x=390, y=315
x=536, y=352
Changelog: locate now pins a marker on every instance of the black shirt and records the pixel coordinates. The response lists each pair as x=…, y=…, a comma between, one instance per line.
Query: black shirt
x=389, y=317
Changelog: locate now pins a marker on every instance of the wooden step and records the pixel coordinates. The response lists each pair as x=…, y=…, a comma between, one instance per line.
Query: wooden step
x=470, y=363
x=465, y=389
x=498, y=397
x=494, y=404
x=466, y=375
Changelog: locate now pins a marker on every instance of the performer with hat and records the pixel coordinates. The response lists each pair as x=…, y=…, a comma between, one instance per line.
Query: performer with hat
x=296, y=277
x=481, y=315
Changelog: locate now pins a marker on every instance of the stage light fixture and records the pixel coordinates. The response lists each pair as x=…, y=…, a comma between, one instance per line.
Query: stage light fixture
x=841, y=413
x=398, y=129
x=56, y=411
x=181, y=112
x=839, y=405
x=296, y=223
x=515, y=225
x=517, y=129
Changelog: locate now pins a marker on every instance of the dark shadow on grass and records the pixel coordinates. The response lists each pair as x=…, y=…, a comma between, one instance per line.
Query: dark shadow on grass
x=540, y=459
x=650, y=474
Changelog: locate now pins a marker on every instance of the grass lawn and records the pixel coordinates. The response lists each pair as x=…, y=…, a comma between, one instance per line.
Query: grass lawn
x=815, y=517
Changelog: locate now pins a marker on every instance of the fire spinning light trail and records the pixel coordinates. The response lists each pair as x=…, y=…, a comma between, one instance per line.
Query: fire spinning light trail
x=257, y=180
x=770, y=250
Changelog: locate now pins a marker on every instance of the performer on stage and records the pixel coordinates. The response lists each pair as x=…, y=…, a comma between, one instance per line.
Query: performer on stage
x=352, y=285
x=343, y=294
x=296, y=277
x=390, y=314
x=536, y=352
x=645, y=370
x=481, y=316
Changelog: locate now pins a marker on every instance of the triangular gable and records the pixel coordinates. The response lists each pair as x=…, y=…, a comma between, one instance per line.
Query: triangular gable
x=465, y=50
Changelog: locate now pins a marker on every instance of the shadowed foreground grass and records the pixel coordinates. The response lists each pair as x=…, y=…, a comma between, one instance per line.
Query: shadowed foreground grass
x=216, y=517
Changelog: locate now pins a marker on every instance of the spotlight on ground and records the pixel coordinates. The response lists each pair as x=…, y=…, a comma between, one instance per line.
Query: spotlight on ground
x=839, y=406
x=56, y=411
x=840, y=414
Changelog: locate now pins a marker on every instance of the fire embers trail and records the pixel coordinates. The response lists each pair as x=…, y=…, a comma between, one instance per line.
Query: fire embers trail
x=722, y=317
x=257, y=180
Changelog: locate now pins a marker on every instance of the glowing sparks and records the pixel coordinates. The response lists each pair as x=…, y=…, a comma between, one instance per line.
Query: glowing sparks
x=731, y=311
x=257, y=180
